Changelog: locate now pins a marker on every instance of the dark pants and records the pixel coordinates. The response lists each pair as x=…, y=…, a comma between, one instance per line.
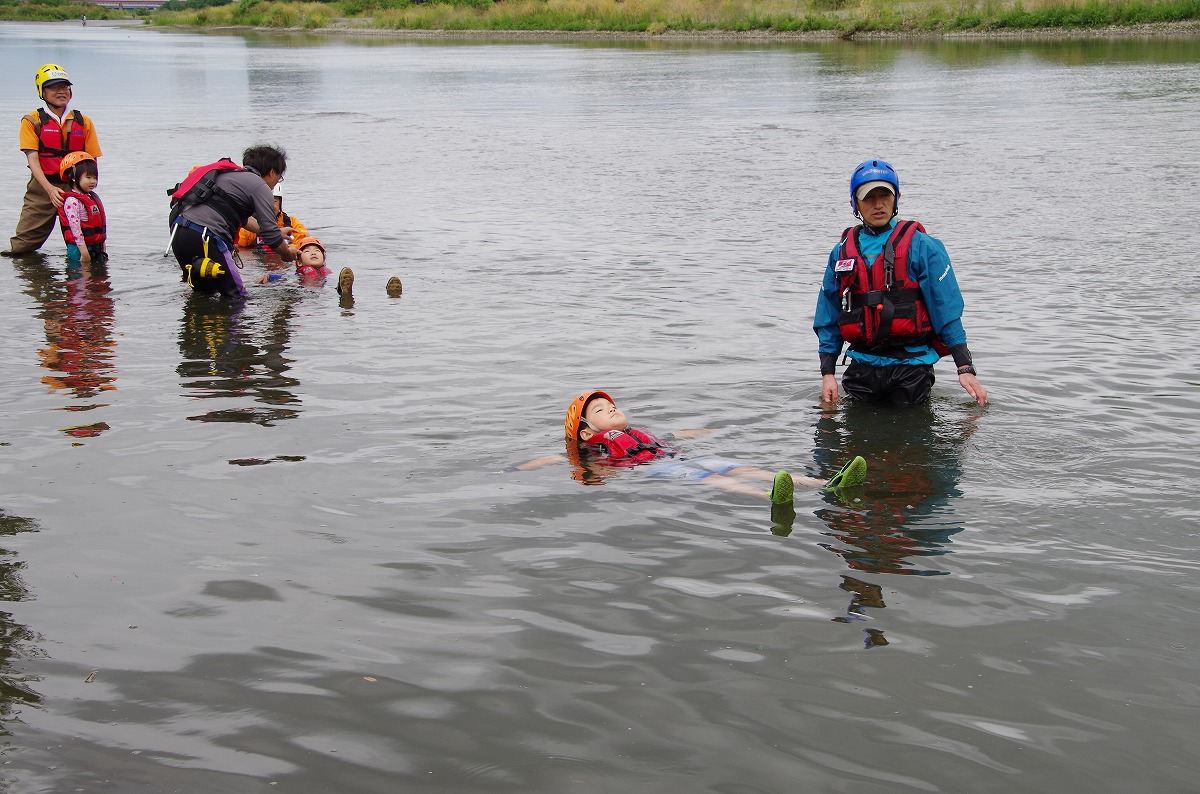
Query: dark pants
x=188, y=247
x=39, y=217
x=897, y=384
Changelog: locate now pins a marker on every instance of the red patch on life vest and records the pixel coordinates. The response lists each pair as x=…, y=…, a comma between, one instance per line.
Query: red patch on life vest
x=843, y=266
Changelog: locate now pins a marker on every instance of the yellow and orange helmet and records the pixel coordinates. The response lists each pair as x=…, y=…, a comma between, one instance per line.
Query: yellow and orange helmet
x=575, y=413
x=71, y=160
x=304, y=241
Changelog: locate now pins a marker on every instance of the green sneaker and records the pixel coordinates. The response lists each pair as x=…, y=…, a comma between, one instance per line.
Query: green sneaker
x=782, y=489
x=853, y=473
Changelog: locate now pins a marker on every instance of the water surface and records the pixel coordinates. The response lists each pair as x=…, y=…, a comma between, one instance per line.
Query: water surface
x=281, y=548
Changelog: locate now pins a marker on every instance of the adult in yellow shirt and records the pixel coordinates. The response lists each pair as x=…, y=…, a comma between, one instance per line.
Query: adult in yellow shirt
x=47, y=135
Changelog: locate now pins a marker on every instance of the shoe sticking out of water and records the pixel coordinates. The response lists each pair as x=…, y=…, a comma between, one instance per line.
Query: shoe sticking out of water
x=853, y=473
x=345, y=282
x=394, y=288
x=782, y=489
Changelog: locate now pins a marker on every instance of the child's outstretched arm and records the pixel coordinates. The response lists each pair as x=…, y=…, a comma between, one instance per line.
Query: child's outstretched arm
x=537, y=463
x=703, y=431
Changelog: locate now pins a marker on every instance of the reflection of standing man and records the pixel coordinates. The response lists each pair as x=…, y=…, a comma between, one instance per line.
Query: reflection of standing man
x=47, y=135
x=890, y=293
x=904, y=522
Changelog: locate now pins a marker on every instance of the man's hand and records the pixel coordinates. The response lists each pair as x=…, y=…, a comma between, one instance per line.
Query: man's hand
x=829, y=389
x=973, y=387
x=55, y=195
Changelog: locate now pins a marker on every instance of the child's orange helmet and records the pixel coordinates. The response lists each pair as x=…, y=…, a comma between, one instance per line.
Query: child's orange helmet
x=303, y=241
x=575, y=413
x=71, y=160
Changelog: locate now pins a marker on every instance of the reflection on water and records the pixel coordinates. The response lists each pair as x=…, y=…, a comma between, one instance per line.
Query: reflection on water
x=16, y=640
x=77, y=314
x=231, y=352
x=902, y=516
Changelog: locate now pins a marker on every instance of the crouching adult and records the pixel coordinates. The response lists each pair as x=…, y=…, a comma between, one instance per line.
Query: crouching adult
x=209, y=207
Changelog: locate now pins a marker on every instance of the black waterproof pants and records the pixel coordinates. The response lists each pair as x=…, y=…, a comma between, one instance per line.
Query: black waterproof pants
x=897, y=384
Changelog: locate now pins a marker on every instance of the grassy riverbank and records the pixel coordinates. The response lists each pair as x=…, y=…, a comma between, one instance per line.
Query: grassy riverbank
x=55, y=11
x=841, y=17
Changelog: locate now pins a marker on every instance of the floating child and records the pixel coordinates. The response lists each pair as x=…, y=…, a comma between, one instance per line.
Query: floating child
x=310, y=265
x=311, y=270
x=290, y=225
x=81, y=215
x=598, y=433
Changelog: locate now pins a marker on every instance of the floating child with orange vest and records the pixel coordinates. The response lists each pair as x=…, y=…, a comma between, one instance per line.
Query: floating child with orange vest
x=292, y=228
x=81, y=215
x=598, y=433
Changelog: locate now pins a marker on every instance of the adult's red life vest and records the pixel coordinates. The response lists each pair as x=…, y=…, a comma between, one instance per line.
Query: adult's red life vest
x=92, y=223
x=53, y=145
x=628, y=447
x=882, y=307
x=199, y=187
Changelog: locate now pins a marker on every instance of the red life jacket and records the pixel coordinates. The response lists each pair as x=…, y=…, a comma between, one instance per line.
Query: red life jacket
x=310, y=273
x=52, y=146
x=92, y=224
x=629, y=446
x=882, y=307
x=199, y=187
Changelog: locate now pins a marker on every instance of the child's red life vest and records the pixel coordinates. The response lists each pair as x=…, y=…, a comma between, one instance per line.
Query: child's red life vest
x=310, y=273
x=92, y=223
x=882, y=307
x=629, y=446
x=199, y=187
x=52, y=146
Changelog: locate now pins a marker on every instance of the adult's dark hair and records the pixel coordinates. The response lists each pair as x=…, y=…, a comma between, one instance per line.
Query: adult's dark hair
x=264, y=159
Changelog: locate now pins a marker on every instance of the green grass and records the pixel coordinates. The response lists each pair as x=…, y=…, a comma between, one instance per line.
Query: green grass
x=845, y=17
x=55, y=11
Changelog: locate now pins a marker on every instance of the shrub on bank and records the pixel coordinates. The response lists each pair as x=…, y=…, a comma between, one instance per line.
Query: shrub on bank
x=55, y=11
x=657, y=16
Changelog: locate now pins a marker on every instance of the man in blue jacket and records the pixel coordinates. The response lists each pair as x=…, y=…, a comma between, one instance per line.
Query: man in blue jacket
x=889, y=292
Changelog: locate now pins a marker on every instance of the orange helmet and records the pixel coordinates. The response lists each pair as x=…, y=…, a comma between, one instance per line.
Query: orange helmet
x=575, y=413
x=304, y=241
x=71, y=160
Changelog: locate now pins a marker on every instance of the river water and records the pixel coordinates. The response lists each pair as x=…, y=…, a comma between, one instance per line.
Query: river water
x=282, y=547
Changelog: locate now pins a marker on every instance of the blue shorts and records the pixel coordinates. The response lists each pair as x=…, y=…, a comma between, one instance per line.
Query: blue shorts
x=694, y=469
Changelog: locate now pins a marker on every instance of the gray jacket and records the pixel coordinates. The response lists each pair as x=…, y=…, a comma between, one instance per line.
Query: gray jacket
x=247, y=189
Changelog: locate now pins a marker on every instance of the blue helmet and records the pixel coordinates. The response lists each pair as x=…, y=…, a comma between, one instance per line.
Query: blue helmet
x=872, y=171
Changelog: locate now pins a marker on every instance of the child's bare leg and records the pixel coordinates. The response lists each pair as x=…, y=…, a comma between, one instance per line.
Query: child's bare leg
x=762, y=474
x=734, y=486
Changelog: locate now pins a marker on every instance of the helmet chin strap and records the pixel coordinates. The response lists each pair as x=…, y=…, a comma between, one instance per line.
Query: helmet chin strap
x=871, y=229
